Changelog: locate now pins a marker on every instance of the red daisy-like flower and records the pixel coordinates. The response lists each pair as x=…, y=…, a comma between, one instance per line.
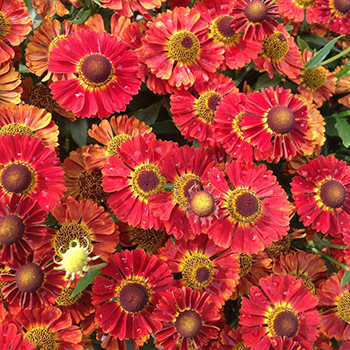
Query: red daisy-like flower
x=238, y=52
x=178, y=47
x=185, y=168
x=49, y=328
x=12, y=339
x=33, y=283
x=204, y=266
x=248, y=218
x=254, y=18
x=194, y=111
x=276, y=123
x=20, y=227
x=335, y=320
x=29, y=168
x=279, y=51
x=322, y=195
x=105, y=69
x=133, y=177
x=335, y=13
x=135, y=281
x=295, y=10
x=283, y=307
x=227, y=127
x=189, y=319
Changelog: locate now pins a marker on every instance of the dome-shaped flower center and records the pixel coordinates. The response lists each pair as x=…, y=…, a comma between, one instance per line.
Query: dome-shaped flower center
x=314, y=79
x=307, y=281
x=244, y=205
x=64, y=298
x=182, y=186
x=333, y=194
x=12, y=229
x=16, y=128
x=133, y=296
x=275, y=47
x=17, y=178
x=198, y=271
x=89, y=185
x=256, y=11
x=4, y=25
x=68, y=233
x=343, y=6
x=40, y=96
x=283, y=322
x=41, y=338
x=150, y=239
x=115, y=143
x=202, y=203
x=240, y=346
x=280, y=120
x=29, y=278
x=183, y=47
x=343, y=307
x=245, y=263
x=206, y=105
x=55, y=41
x=147, y=179
x=188, y=323
x=96, y=69
x=304, y=3
x=75, y=259
x=278, y=248
x=223, y=31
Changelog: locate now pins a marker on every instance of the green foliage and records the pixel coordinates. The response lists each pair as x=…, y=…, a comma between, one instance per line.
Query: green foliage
x=84, y=282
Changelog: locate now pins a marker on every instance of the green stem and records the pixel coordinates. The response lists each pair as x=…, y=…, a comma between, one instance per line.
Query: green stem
x=335, y=246
x=316, y=251
x=335, y=57
x=97, y=267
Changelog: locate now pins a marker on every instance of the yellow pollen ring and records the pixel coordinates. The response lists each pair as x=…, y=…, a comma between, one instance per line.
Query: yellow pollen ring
x=55, y=41
x=222, y=31
x=115, y=143
x=183, y=47
x=16, y=128
x=315, y=78
x=197, y=271
x=181, y=187
x=282, y=321
x=4, y=25
x=343, y=307
x=206, y=106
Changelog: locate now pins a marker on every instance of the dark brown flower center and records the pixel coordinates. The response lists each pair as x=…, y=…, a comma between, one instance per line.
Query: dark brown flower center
x=333, y=194
x=343, y=6
x=256, y=11
x=184, y=47
x=40, y=96
x=247, y=204
x=133, y=296
x=198, y=271
x=222, y=30
x=245, y=264
x=281, y=120
x=12, y=229
x=278, y=248
x=17, y=178
x=188, y=323
x=182, y=186
x=150, y=239
x=202, y=203
x=96, y=69
x=29, y=278
x=286, y=324
x=224, y=26
x=89, y=186
x=206, y=105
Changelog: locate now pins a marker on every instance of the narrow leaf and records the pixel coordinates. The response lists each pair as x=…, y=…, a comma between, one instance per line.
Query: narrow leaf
x=321, y=55
x=343, y=128
x=265, y=81
x=85, y=281
x=81, y=16
x=346, y=278
x=148, y=115
x=344, y=71
x=78, y=129
x=302, y=44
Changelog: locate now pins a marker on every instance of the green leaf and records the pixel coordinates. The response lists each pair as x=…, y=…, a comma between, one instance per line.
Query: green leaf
x=346, y=278
x=167, y=127
x=321, y=55
x=302, y=44
x=344, y=71
x=320, y=243
x=330, y=127
x=317, y=40
x=343, y=128
x=265, y=81
x=84, y=282
x=149, y=114
x=81, y=16
x=78, y=130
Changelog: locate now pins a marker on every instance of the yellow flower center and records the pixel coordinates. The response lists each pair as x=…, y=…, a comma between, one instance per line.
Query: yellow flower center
x=244, y=205
x=202, y=203
x=343, y=307
x=188, y=323
x=12, y=229
x=333, y=194
x=29, y=278
x=181, y=187
x=342, y=7
x=240, y=346
x=278, y=248
x=95, y=70
x=304, y=3
x=256, y=11
x=64, y=299
x=133, y=296
x=17, y=177
x=147, y=179
x=16, y=128
x=40, y=96
x=115, y=143
x=283, y=321
x=222, y=30
x=150, y=239
x=55, y=41
x=89, y=185
x=245, y=264
x=4, y=25
x=75, y=259
x=198, y=271
x=280, y=120
x=314, y=79
x=41, y=338
x=206, y=105
x=306, y=279
x=275, y=47
x=183, y=47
